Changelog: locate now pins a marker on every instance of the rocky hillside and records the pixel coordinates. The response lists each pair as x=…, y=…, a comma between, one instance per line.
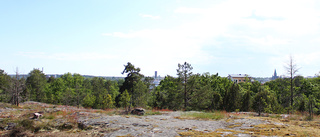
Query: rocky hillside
x=58, y=120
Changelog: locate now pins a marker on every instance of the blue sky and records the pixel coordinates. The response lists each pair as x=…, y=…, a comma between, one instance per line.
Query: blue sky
x=98, y=37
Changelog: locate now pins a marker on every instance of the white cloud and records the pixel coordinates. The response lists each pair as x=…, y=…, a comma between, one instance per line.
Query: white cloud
x=308, y=58
x=275, y=28
x=298, y=17
x=306, y=62
x=149, y=16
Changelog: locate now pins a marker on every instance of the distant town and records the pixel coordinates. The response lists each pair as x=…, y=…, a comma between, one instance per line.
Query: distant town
x=237, y=78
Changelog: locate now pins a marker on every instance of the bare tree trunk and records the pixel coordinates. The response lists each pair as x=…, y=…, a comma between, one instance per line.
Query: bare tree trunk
x=291, y=90
x=16, y=89
x=185, y=92
x=291, y=81
x=292, y=69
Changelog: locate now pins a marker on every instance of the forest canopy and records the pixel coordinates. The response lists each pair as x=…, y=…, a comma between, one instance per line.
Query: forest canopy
x=186, y=91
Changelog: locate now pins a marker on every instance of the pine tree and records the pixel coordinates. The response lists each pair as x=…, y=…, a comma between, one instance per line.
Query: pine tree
x=184, y=73
x=125, y=100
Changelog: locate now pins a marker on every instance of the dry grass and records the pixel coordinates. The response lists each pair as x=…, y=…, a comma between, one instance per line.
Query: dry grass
x=295, y=125
x=65, y=134
x=199, y=133
x=281, y=130
x=259, y=130
x=235, y=125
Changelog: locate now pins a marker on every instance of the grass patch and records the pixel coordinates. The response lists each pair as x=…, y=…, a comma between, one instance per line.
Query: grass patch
x=7, y=105
x=4, y=122
x=50, y=117
x=153, y=113
x=204, y=115
x=275, y=116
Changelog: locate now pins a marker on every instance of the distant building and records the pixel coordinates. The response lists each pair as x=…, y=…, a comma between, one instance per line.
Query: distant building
x=262, y=80
x=275, y=76
x=157, y=79
x=311, y=76
x=155, y=75
x=238, y=78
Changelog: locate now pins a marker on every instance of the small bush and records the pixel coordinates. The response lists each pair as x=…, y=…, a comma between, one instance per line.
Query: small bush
x=65, y=126
x=27, y=124
x=17, y=132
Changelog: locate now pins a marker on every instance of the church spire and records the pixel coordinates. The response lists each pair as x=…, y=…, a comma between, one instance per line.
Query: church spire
x=274, y=75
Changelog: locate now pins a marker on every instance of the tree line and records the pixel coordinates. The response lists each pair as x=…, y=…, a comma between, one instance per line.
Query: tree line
x=186, y=91
x=76, y=90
